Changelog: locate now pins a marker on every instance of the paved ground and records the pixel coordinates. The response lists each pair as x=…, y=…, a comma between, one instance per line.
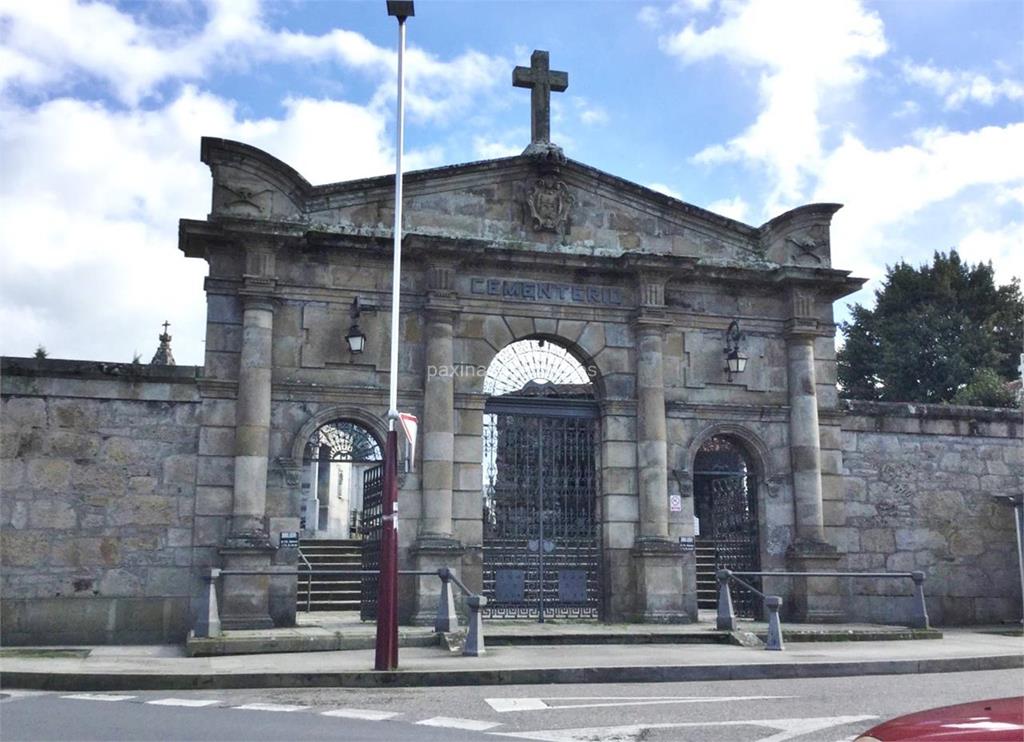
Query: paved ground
x=821, y=710
x=165, y=667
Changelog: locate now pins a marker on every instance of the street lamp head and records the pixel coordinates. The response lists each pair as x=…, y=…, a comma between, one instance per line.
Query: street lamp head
x=735, y=362
x=402, y=9
x=356, y=339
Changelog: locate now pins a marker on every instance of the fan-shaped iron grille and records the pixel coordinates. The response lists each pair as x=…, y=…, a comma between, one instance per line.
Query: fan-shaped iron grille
x=525, y=361
x=343, y=440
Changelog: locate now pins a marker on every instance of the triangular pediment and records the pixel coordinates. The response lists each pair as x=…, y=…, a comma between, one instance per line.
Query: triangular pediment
x=524, y=202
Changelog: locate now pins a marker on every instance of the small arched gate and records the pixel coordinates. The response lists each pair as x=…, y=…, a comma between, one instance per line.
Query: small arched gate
x=725, y=506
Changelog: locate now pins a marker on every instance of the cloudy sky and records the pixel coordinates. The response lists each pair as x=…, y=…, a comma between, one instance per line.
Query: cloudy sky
x=907, y=111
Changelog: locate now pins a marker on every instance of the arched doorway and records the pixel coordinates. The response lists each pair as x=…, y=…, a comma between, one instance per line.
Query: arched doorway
x=725, y=510
x=541, y=540
x=335, y=461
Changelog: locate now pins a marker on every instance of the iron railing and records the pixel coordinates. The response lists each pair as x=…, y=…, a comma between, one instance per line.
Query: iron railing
x=445, y=621
x=727, y=616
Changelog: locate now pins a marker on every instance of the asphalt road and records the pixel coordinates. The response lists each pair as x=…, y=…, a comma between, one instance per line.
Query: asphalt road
x=814, y=710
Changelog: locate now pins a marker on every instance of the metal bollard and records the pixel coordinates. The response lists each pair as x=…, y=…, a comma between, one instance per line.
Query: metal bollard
x=474, y=646
x=919, y=618
x=774, y=641
x=208, y=620
x=447, y=619
x=726, y=615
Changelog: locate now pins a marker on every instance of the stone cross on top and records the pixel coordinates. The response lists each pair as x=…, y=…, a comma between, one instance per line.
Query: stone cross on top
x=541, y=80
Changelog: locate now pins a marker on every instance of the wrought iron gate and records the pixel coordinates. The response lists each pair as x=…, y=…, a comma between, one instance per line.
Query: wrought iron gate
x=725, y=503
x=541, y=540
x=372, y=526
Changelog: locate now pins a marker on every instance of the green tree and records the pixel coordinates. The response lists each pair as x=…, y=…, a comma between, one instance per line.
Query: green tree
x=933, y=331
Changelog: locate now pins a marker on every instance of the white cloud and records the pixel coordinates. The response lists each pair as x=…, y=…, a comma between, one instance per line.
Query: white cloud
x=90, y=201
x=946, y=186
x=590, y=114
x=668, y=191
x=960, y=86
x=734, y=208
x=53, y=42
x=487, y=149
x=804, y=50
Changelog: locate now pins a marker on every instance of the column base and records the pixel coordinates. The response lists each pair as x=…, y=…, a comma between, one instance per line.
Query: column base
x=659, y=583
x=431, y=552
x=245, y=599
x=814, y=599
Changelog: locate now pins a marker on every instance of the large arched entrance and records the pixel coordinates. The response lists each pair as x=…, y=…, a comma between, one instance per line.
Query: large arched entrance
x=541, y=540
x=725, y=507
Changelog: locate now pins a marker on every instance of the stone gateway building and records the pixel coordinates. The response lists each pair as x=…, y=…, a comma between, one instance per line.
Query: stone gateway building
x=616, y=391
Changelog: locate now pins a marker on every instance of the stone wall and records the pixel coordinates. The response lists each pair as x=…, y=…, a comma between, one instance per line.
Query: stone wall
x=919, y=481
x=98, y=475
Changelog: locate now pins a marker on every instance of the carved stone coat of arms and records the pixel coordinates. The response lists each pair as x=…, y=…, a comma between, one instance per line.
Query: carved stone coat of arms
x=549, y=202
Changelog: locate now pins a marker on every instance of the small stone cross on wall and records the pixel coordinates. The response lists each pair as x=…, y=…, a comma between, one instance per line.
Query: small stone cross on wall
x=541, y=80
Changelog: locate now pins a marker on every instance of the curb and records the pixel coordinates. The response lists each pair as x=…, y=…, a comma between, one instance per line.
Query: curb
x=526, y=676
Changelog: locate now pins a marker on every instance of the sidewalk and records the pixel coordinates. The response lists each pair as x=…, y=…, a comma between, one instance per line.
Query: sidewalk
x=167, y=667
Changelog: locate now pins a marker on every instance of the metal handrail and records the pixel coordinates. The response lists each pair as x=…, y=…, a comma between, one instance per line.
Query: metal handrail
x=208, y=622
x=726, y=619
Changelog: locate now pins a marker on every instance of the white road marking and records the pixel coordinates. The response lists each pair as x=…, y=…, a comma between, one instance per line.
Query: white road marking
x=788, y=729
x=470, y=724
x=504, y=705
x=269, y=707
x=97, y=697
x=189, y=702
x=365, y=714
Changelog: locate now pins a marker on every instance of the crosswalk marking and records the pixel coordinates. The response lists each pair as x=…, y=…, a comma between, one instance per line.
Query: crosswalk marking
x=787, y=729
x=504, y=705
x=269, y=707
x=97, y=697
x=365, y=714
x=189, y=702
x=470, y=724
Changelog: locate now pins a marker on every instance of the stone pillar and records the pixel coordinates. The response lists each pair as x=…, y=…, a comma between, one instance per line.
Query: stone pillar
x=814, y=599
x=438, y=428
x=435, y=546
x=657, y=561
x=804, y=439
x=651, y=443
x=246, y=597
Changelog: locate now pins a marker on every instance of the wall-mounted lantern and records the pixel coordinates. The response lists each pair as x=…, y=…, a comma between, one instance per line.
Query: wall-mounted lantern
x=735, y=362
x=356, y=338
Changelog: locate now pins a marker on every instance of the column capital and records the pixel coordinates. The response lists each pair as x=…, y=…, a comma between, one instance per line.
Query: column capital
x=648, y=320
x=801, y=329
x=257, y=298
x=441, y=307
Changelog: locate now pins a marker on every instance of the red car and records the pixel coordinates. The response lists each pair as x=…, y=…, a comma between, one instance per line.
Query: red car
x=999, y=720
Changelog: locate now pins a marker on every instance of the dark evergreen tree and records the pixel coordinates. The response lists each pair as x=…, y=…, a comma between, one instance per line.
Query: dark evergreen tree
x=934, y=330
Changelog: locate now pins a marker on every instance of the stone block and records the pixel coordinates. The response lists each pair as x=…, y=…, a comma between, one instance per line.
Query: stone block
x=24, y=548
x=165, y=581
x=53, y=475
x=468, y=477
x=144, y=510
x=52, y=513
x=621, y=508
x=215, y=470
x=878, y=540
x=217, y=441
x=619, y=454
x=218, y=412
x=24, y=412
x=468, y=448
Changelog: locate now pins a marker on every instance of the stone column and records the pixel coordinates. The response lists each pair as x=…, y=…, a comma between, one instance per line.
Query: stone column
x=658, y=564
x=814, y=599
x=246, y=597
x=438, y=428
x=651, y=443
x=435, y=546
x=804, y=438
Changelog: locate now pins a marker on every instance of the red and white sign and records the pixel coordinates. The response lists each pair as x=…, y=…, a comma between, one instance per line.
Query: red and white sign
x=409, y=424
